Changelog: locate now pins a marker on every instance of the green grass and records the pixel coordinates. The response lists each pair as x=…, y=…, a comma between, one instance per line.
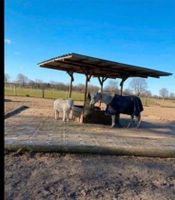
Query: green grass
x=149, y=101
x=48, y=93
x=169, y=103
x=77, y=96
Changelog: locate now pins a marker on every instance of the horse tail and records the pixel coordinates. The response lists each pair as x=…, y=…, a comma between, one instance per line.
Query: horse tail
x=140, y=104
x=138, y=107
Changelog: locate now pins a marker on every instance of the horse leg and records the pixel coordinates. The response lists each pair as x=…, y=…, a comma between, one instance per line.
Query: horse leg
x=56, y=114
x=113, y=121
x=67, y=115
x=138, y=121
x=131, y=121
x=117, y=120
x=64, y=116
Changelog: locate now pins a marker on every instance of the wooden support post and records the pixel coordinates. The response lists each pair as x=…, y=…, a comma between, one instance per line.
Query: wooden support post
x=70, y=86
x=88, y=77
x=121, y=85
x=43, y=92
x=101, y=81
x=14, y=90
x=121, y=93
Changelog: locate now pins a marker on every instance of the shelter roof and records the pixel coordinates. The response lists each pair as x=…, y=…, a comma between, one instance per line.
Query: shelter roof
x=97, y=67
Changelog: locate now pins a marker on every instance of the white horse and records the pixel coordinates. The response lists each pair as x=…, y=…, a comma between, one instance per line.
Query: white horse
x=107, y=99
x=63, y=106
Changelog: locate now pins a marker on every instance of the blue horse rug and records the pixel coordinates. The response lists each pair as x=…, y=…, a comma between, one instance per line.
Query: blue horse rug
x=130, y=105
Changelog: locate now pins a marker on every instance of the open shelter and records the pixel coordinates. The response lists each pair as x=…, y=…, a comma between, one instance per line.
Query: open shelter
x=97, y=67
x=100, y=68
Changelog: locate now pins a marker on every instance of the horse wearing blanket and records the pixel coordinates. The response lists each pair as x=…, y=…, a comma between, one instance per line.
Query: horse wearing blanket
x=117, y=104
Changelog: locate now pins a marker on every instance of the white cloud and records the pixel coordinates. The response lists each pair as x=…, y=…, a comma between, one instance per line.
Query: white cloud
x=7, y=41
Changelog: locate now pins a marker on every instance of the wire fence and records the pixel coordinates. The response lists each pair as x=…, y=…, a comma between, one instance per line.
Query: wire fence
x=49, y=93
x=52, y=93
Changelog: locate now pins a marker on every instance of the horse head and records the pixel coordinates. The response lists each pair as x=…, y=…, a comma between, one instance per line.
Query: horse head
x=95, y=97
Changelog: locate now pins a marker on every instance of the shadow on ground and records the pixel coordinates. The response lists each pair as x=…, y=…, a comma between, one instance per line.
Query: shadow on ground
x=165, y=128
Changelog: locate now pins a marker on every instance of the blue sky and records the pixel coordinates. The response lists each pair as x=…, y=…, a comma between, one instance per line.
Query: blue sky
x=137, y=32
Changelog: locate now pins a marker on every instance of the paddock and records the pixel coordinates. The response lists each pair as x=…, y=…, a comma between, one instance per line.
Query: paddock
x=34, y=129
x=102, y=70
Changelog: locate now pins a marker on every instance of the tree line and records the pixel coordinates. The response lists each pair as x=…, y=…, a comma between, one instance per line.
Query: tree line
x=137, y=86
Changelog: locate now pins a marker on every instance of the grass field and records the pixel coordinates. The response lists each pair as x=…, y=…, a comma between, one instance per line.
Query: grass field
x=77, y=96
x=48, y=93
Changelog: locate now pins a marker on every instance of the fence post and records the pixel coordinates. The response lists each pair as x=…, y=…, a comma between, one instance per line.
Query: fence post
x=14, y=90
x=42, y=92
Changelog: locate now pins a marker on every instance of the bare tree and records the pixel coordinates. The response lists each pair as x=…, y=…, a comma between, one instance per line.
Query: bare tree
x=38, y=83
x=6, y=78
x=163, y=93
x=93, y=88
x=80, y=87
x=138, y=85
x=172, y=95
x=31, y=83
x=147, y=93
x=22, y=79
x=127, y=92
x=112, y=87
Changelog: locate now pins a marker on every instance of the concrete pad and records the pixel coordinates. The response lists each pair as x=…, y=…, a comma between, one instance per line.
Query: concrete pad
x=30, y=131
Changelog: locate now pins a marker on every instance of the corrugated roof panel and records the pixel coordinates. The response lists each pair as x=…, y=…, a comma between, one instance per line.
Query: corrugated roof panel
x=99, y=67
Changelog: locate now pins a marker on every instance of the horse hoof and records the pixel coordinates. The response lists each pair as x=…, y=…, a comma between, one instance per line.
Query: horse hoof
x=118, y=126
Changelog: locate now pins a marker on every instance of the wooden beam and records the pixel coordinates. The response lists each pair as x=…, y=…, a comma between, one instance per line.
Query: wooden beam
x=93, y=67
x=70, y=85
x=101, y=81
x=121, y=68
x=88, y=77
x=121, y=85
x=102, y=71
x=81, y=71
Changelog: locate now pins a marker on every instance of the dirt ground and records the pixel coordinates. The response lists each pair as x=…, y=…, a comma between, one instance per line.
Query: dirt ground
x=81, y=176
x=70, y=176
x=155, y=112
